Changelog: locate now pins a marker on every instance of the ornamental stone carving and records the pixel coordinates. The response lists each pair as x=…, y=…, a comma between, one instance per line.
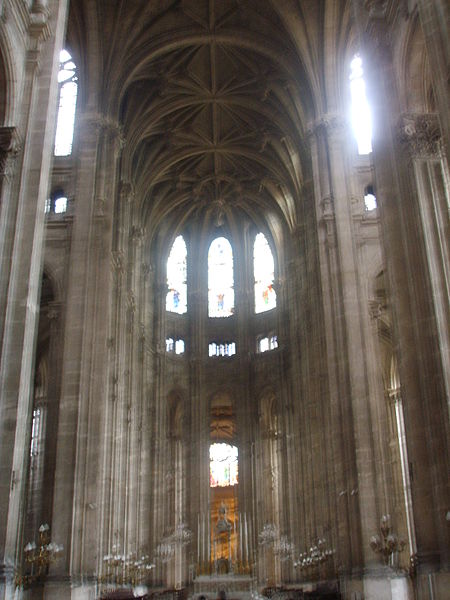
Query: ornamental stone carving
x=420, y=135
x=118, y=262
x=329, y=124
x=9, y=148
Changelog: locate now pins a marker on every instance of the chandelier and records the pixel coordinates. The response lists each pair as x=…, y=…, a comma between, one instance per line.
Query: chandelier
x=268, y=534
x=37, y=558
x=283, y=548
x=317, y=554
x=388, y=543
x=180, y=537
x=121, y=569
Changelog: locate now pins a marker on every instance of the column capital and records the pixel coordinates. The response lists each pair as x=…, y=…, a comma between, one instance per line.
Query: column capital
x=420, y=135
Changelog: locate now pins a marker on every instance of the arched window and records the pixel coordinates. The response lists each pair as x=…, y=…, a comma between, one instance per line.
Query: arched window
x=176, y=299
x=263, y=269
x=370, y=201
x=361, y=118
x=68, y=89
x=220, y=278
x=223, y=465
x=56, y=204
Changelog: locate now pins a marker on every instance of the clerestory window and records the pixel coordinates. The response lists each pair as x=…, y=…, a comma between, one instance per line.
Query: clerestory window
x=263, y=269
x=267, y=343
x=68, y=91
x=220, y=278
x=176, y=346
x=176, y=299
x=222, y=348
x=360, y=110
x=370, y=201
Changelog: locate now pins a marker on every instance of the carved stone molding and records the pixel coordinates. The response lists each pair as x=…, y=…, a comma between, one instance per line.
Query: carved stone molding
x=327, y=206
x=126, y=192
x=376, y=310
x=329, y=124
x=376, y=8
x=131, y=301
x=54, y=311
x=9, y=148
x=137, y=234
x=118, y=262
x=420, y=135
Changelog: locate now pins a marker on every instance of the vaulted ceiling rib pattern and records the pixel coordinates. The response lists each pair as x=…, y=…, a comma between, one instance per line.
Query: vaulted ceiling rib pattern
x=214, y=102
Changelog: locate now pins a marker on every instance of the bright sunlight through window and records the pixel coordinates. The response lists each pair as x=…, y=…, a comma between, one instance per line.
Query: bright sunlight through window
x=361, y=118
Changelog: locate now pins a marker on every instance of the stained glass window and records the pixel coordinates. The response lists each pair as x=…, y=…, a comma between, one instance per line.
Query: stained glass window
x=68, y=90
x=263, y=268
x=223, y=462
x=220, y=279
x=361, y=118
x=176, y=300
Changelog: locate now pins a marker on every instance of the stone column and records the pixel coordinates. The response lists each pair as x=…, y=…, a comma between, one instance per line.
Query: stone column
x=363, y=452
x=86, y=398
x=22, y=219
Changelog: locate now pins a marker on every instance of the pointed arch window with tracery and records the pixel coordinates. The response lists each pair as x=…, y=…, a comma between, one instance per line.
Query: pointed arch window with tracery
x=68, y=91
x=220, y=278
x=176, y=299
x=263, y=269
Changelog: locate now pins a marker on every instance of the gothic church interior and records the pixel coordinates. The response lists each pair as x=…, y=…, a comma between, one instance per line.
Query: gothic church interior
x=224, y=299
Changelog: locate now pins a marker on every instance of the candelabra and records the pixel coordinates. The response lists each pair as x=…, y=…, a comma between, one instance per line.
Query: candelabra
x=37, y=558
x=388, y=543
x=181, y=536
x=268, y=534
x=283, y=548
x=129, y=570
x=317, y=554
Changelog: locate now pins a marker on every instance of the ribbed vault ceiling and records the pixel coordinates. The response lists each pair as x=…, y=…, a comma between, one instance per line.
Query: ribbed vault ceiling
x=213, y=99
